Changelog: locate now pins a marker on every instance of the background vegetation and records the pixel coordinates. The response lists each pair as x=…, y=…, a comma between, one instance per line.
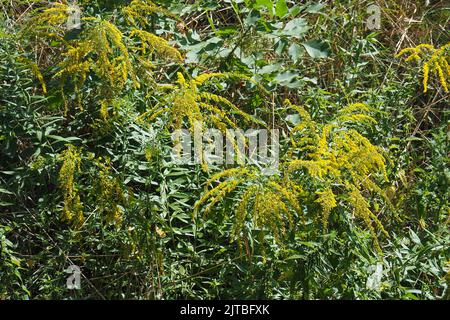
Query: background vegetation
x=360, y=209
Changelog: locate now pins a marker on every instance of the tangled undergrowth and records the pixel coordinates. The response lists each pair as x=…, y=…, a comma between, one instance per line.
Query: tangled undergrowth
x=91, y=95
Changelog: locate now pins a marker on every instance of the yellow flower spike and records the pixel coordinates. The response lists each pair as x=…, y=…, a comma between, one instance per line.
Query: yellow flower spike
x=426, y=71
x=414, y=56
x=327, y=200
x=36, y=72
x=199, y=80
x=445, y=65
x=180, y=79
x=109, y=192
x=361, y=210
x=425, y=45
x=342, y=157
x=156, y=44
x=95, y=53
x=441, y=76
x=271, y=202
x=434, y=61
x=138, y=10
x=104, y=110
x=73, y=209
x=332, y=154
x=54, y=16
x=406, y=50
x=190, y=103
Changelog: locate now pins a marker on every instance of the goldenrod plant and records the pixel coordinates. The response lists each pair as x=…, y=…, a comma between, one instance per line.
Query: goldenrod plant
x=340, y=157
x=434, y=61
x=111, y=198
x=352, y=202
x=137, y=12
x=187, y=101
x=97, y=53
x=73, y=208
x=270, y=202
x=36, y=72
x=334, y=157
x=102, y=48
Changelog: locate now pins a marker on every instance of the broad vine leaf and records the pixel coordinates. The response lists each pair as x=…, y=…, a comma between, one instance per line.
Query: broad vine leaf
x=281, y=8
x=265, y=3
x=295, y=51
x=317, y=48
x=295, y=28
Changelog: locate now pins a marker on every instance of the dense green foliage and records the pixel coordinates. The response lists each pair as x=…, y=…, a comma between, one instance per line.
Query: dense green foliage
x=360, y=207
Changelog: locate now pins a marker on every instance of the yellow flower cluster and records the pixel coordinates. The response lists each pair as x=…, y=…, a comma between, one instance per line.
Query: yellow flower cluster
x=109, y=115
x=54, y=16
x=156, y=44
x=271, y=201
x=109, y=193
x=138, y=11
x=340, y=156
x=37, y=73
x=98, y=52
x=188, y=102
x=327, y=200
x=103, y=49
x=73, y=209
x=434, y=60
x=338, y=162
x=361, y=210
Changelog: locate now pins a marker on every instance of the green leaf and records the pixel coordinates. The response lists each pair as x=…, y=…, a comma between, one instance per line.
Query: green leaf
x=314, y=8
x=270, y=68
x=295, y=257
x=414, y=237
x=15, y=261
x=225, y=31
x=295, y=28
x=281, y=8
x=286, y=77
x=289, y=80
x=295, y=51
x=252, y=18
x=6, y=204
x=63, y=139
x=5, y=191
x=309, y=244
x=265, y=3
x=317, y=49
